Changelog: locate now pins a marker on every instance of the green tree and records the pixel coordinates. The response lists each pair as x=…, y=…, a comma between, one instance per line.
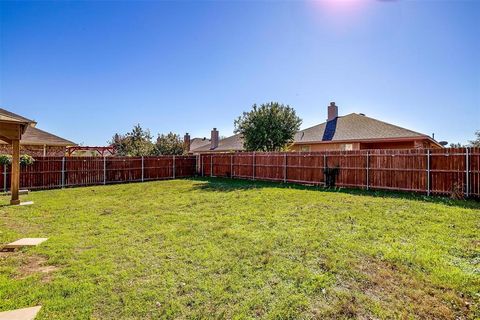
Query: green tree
x=169, y=144
x=476, y=142
x=270, y=127
x=119, y=141
x=456, y=145
x=135, y=143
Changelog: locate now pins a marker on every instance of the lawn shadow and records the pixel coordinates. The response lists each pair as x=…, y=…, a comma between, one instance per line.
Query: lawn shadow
x=231, y=185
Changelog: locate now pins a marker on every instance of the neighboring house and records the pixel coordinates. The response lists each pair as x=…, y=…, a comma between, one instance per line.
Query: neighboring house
x=215, y=144
x=35, y=142
x=192, y=144
x=350, y=132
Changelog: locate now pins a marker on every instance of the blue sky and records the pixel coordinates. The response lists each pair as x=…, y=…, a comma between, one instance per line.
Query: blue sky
x=85, y=70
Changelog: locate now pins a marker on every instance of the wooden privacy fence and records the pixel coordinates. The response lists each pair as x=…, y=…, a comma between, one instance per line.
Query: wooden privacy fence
x=59, y=172
x=438, y=171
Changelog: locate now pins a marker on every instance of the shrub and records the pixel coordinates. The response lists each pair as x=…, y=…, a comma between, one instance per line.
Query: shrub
x=5, y=159
x=25, y=159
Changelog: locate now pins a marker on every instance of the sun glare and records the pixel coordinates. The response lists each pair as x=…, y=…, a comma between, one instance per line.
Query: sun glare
x=341, y=15
x=340, y=6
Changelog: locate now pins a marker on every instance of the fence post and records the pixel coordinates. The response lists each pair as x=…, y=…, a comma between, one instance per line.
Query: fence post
x=211, y=165
x=173, y=167
x=428, y=172
x=63, y=172
x=104, y=170
x=285, y=167
x=368, y=165
x=324, y=168
x=231, y=166
x=197, y=164
x=467, y=172
x=253, y=165
x=143, y=170
x=4, y=178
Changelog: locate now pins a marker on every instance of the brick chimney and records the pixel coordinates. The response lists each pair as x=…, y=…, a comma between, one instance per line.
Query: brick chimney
x=214, y=139
x=186, y=143
x=332, y=111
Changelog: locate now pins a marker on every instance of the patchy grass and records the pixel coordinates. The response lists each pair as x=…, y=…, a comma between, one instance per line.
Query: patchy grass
x=236, y=249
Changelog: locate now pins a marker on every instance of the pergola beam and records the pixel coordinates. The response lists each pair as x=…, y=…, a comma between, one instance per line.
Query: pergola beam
x=11, y=131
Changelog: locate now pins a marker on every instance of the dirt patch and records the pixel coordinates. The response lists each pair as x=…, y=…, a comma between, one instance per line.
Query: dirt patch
x=403, y=294
x=381, y=290
x=36, y=264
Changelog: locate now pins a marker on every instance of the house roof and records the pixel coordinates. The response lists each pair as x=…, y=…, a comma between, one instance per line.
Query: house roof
x=13, y=117
x=232, y=143
x=198, y=142
x=354, y=127
x=351, y=127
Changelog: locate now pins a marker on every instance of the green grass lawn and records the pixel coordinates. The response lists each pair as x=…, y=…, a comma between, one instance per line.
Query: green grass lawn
x=240, y=250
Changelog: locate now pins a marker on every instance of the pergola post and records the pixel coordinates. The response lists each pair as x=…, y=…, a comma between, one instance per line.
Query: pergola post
x=12, y=127
x=15, y=174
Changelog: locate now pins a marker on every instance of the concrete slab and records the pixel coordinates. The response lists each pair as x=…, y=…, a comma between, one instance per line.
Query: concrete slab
x=26, y=203
x=25, y=242
x=20, y=314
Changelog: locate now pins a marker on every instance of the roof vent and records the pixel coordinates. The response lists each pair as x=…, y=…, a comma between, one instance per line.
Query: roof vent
x=362, y=114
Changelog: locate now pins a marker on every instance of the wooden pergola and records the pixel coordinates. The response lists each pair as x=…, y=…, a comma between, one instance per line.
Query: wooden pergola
x=12, y=127
x=102, y=151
